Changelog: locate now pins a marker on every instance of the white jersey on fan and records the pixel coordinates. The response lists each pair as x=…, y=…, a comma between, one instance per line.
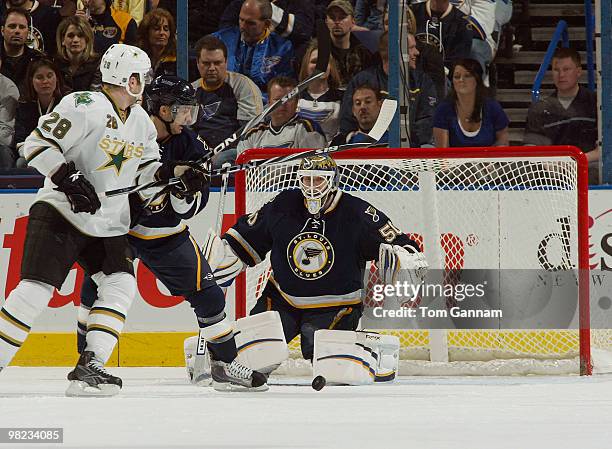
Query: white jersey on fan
x=296, y=133
x=87, y=128
x=481, y=14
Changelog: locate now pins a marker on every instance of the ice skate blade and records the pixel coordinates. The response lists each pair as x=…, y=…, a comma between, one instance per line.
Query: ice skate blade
x=79, y=388
x=202, y=381
x=228, y=386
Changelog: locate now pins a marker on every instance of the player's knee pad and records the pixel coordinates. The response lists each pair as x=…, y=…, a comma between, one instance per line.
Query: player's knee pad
x=260, y=341
x=355, y=358
x=21, y=308
x=28, y=300
x=207, y=304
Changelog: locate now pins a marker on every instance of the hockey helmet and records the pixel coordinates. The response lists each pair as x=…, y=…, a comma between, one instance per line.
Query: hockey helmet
x=318, y=178
x=122, y=61
x=178, y=94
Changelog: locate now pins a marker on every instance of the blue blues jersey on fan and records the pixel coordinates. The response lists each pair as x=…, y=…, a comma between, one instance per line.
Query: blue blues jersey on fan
x=164, y=219
x=317, y=260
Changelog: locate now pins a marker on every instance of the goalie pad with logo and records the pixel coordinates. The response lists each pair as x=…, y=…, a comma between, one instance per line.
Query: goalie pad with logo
x=354, y=357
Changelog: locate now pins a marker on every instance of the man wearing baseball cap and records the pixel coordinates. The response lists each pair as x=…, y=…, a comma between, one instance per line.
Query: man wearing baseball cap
x=351, y=55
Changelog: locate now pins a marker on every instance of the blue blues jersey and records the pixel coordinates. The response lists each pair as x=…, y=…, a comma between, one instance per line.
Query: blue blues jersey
x=317, y=261
x=164, y=217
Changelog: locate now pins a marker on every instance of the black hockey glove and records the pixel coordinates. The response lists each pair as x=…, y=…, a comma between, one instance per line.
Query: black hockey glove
x=193, y=176
x=81, y=194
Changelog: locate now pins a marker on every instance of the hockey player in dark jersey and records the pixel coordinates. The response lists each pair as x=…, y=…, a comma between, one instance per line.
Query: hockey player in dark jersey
x=319, y=239
x=161, y=240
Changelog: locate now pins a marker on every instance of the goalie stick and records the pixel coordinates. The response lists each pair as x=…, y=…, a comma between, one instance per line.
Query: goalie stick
x=387, y=111
x=324, y=44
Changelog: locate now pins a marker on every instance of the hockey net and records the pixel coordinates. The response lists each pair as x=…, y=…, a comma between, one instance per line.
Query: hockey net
x=504, y=209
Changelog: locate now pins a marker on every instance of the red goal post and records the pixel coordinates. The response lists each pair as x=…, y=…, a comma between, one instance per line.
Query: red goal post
x=558, y=174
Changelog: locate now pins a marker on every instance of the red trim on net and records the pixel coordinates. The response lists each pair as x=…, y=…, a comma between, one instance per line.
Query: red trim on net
x=586, y=365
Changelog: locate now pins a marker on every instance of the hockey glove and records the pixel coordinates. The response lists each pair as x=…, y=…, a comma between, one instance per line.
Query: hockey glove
x=193, y=176
x=399, y=263
x=81, y=194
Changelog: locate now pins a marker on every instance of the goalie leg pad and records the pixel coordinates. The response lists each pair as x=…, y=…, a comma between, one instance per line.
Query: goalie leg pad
x=261, y=342
x=355, y=358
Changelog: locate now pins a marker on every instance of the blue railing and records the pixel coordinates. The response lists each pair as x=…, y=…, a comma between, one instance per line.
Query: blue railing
x=560, y=33
x=589, y=19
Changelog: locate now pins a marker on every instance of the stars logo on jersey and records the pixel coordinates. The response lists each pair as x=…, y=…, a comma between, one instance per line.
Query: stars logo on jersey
x=115, y=160
x=310, y=255
x=82, y=98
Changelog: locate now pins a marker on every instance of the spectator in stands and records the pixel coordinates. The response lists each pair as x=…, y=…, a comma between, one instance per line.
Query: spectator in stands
x=9, y=95
x=369, y=14
x=351, y=55
x=285, y=128
x=110, y=26
x=442, y=25
x=16, y=55
x=157, y=37
x=375, y=76
x=253, y=48
x=203, y=16
x=320, y=101
x=44, y=88
x=291, y=19
x=76, y=59
x=228, y=100
x=43, y=22
x=366, y=101
x=423, y=99
x=569, y=115
x=135, y=8
x=469, y=117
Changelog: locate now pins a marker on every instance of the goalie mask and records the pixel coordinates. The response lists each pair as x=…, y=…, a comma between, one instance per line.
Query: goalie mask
x=318, y=177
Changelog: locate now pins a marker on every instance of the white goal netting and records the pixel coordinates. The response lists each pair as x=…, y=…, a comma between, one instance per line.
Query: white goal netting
x=479, y=209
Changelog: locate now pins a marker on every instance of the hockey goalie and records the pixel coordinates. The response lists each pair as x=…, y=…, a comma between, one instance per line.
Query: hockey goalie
x=319, y=238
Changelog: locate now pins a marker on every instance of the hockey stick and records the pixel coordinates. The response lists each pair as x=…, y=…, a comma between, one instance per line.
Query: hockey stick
x=387, y=111
x=222, y=194
x=324, y=44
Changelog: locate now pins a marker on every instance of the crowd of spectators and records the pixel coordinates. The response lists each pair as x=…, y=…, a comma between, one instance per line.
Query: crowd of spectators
x=247, y=53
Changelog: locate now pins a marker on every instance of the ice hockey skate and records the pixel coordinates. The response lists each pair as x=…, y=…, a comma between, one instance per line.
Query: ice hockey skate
x=89, y=378
x=236, y=377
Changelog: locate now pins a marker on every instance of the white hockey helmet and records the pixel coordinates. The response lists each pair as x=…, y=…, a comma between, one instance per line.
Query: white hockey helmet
x=318, y=177
x=122, y=61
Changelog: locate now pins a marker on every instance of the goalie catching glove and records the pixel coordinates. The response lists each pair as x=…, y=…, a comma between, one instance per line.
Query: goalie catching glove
x=81, y=194
x=399, y=263
x=193, y=177
x=224, y=264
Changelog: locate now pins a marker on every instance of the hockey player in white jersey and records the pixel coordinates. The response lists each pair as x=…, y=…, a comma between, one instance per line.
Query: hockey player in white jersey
x=91, y=143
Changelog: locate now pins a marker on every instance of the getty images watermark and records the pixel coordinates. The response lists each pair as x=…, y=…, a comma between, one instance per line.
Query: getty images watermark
x=411, y=296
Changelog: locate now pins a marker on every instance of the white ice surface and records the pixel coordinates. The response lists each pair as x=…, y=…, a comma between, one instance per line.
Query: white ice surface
x=157, y=408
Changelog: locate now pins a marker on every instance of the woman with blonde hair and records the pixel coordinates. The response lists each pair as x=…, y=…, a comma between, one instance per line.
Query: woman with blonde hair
x=320, y=102
x=157, y=37
x=76, y=59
